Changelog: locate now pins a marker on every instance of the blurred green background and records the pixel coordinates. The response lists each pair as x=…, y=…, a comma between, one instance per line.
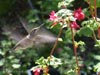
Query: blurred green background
x=19, y=62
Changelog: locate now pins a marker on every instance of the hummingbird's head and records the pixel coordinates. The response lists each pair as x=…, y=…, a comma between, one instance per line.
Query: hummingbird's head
x=34, y=32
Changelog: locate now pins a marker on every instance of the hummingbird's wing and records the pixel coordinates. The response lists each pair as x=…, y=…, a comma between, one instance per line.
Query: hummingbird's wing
x=24, y=23
x=43, y=36
x=16, y=31
x=38, y=37
x=23, y=44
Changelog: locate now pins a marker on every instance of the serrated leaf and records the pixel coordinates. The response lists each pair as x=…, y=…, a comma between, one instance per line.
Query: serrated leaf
x=85, y=31
x=55, y=62
x=41, y=61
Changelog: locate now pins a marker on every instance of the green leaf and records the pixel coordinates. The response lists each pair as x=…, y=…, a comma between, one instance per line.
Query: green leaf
x=97, y=57
x=81, y=43
x=65, y=3
x=16, y=66
x=10, y=57
x=97, y=43
x=64, y=13
x=85, y=31
x=2, y=62
x=15, y=61
x=97, y=67
x=92, y=3
x=1, y=52
x=71, y=72
x=86, y=12
x=55, y=62
x=41, y=61
x=91, y=23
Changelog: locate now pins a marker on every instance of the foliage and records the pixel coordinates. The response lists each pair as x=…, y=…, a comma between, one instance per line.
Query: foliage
x=92, y=2
x=42, y=63
x=80, y=34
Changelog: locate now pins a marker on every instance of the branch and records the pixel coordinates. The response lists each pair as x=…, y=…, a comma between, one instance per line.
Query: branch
x=75, y=51
x=56, y=42
x=95, y=10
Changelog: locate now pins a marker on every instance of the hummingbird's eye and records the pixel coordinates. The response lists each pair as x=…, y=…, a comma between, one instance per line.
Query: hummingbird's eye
x=33, y=32
x=35, y=29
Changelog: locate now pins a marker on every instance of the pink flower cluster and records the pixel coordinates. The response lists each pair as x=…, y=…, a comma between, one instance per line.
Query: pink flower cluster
x=37, y=71
x=78, y=14
x=74, y=25
x=52, y=16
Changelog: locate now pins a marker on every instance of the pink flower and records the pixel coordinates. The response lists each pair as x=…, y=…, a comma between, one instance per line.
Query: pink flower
x=78, y=14
x=37, y=71
x=53, y=16
x=74, y=25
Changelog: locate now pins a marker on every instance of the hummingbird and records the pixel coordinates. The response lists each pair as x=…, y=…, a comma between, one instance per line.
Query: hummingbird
x=27, y=41
x=35, y=37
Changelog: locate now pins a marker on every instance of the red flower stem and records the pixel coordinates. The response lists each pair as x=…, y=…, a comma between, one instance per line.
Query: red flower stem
x=56, y=42
x=75, y=51
x=95, y=10
x=95, y=14
x=91, y=11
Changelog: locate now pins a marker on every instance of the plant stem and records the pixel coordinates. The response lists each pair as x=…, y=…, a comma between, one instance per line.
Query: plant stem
x=91, y=11
x=56, y=42
x=94, y=36
x=95, y=10
x=75, y=51
x=95, y=13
